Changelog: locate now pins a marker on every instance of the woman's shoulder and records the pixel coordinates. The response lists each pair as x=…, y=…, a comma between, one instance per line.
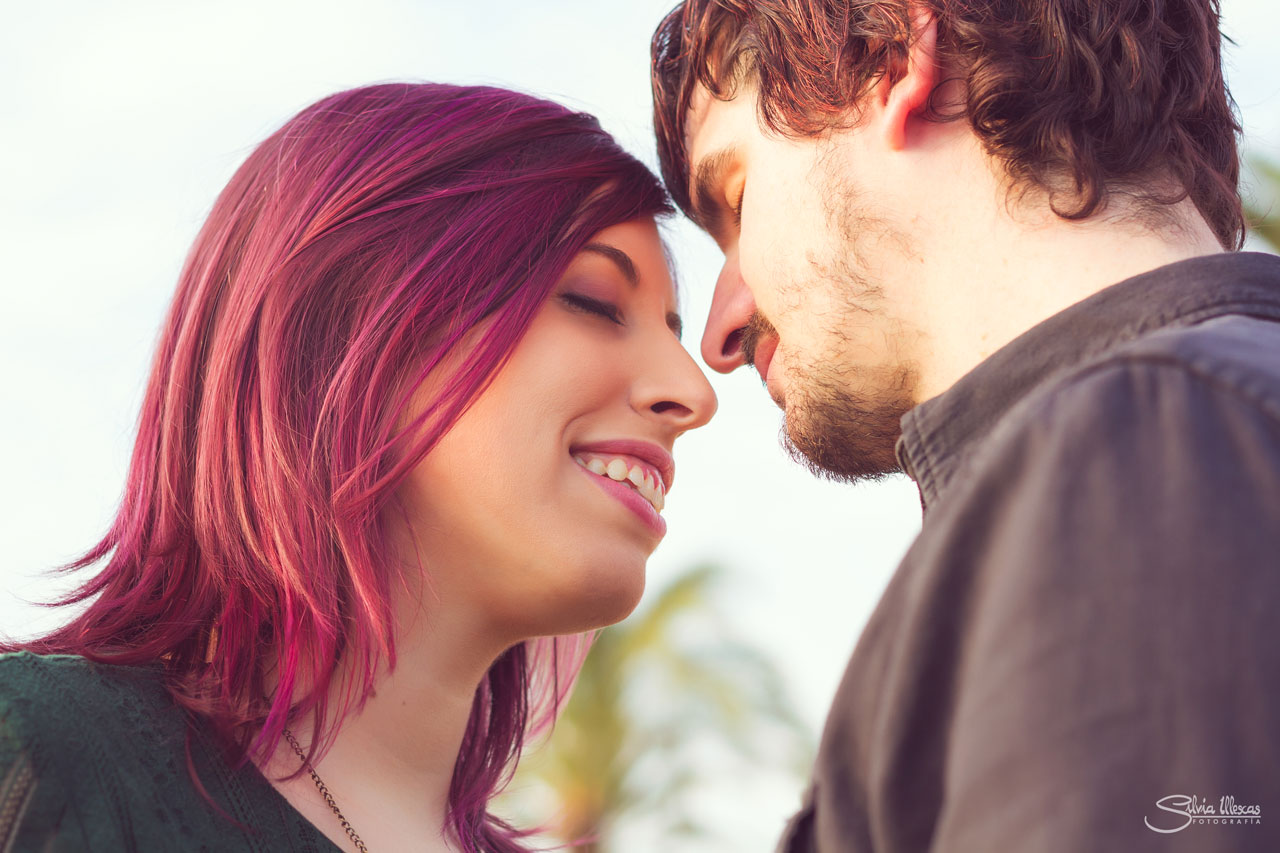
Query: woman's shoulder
x=80, y=744
x=70, y=698
x=97, y=756
x=71, y=715
x=32, y=669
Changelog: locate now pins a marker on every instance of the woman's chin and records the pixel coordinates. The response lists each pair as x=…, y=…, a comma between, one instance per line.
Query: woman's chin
x=591, y=600
x=614, y=610
x=604, y=607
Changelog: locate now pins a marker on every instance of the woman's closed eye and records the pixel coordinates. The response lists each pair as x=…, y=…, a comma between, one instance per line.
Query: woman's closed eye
x=589, y=305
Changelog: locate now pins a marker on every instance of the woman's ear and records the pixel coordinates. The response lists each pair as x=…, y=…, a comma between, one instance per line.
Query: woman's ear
x=909, y=94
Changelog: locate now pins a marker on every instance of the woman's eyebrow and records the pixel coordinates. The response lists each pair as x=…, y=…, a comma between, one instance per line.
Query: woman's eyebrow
x=628, y=269
x=619, y=257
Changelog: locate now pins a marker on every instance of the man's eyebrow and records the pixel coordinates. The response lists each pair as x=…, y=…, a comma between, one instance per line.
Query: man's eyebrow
x=707, y=176
x=619, y=257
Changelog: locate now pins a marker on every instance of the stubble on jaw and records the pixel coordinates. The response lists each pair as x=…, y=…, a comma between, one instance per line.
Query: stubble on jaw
x=843, y=411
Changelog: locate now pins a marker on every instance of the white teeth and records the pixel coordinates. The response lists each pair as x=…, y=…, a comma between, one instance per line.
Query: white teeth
x=653, y=491
x=646, y=491
x=648, y=484
x=652, y=494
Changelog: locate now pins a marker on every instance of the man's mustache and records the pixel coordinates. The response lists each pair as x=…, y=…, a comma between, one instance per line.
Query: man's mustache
x=750, y=335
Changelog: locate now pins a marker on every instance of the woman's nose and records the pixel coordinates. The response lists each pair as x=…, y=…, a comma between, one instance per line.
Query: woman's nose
x=675, y=389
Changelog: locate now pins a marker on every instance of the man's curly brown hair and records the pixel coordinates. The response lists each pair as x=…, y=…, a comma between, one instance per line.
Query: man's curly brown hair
x=1080, y=98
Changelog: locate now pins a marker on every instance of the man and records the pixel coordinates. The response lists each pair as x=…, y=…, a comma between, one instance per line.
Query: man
x=993, y=245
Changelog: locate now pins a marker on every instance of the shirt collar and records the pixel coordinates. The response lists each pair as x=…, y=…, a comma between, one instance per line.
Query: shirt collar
x=938, y=434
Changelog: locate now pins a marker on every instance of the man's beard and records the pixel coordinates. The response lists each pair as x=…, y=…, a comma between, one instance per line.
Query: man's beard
x=828, y=428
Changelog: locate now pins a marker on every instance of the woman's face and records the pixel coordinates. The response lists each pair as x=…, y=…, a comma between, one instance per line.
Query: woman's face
x=536, y=512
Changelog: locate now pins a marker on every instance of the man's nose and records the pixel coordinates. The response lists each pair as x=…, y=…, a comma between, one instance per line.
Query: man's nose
x=732, y=306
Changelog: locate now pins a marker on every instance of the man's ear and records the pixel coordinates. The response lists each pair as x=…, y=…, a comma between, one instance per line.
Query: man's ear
x=909, y=94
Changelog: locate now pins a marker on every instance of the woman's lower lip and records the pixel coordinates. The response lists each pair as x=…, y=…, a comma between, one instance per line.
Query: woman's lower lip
x=631, y=499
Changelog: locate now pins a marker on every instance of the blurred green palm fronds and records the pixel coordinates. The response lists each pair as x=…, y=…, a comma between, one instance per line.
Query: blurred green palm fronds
x=1263, y=211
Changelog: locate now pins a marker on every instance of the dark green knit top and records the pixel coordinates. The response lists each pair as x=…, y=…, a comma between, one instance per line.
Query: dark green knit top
x=93, y=757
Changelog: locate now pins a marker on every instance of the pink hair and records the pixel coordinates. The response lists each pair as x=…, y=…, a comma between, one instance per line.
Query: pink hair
x=344, y=261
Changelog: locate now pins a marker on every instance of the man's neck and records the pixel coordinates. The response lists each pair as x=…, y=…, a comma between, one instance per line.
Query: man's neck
x=984, y=274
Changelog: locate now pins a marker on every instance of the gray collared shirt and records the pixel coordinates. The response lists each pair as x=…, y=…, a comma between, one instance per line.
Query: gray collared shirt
x=1086, y=634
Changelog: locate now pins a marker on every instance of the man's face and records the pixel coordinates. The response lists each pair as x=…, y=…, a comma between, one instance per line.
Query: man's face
x=807, y=292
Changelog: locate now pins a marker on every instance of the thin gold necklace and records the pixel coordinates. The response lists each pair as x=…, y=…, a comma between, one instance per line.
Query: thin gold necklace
x=324, y=792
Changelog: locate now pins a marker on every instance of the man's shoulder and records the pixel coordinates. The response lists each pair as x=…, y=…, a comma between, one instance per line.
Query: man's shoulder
x=1167, y=377
x=1186, y=416
x=1234, y=351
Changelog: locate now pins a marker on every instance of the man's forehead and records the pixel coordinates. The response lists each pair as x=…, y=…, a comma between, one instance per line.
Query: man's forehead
x=695, y=120
x=714, y=124
x=716, y=133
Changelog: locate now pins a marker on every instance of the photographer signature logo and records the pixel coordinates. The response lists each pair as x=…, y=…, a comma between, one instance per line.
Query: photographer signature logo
x=1182, y=811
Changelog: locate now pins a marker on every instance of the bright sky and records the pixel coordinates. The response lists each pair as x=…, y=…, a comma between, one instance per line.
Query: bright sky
x=124, y=120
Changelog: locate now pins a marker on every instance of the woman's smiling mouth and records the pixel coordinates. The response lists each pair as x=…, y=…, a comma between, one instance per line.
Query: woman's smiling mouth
x=632, y=472
x=638, y=474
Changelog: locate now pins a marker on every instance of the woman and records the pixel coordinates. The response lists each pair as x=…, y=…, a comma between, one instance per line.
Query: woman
x=409, y=420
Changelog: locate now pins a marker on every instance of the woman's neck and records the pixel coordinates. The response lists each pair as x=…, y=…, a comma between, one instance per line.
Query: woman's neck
x=390, y=765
